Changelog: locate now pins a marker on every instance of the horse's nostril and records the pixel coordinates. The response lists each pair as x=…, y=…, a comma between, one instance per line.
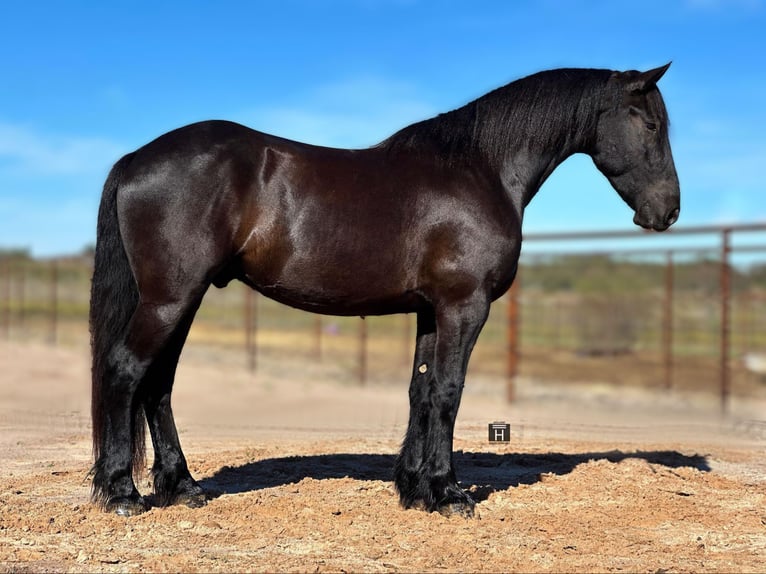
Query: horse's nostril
x=672, y=217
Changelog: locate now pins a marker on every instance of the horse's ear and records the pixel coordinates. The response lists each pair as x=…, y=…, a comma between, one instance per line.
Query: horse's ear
x=645, y=81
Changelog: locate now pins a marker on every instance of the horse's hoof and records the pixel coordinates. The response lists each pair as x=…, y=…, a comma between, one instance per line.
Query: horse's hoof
x=127, y=507
x=458, y=503
x=462, y=508
x=192, y=500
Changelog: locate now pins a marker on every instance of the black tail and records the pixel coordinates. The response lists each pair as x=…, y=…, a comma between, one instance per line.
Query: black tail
x=113, y=299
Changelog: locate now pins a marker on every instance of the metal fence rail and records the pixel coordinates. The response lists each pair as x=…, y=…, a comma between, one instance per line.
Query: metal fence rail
x=624, y=310
x=720, y=329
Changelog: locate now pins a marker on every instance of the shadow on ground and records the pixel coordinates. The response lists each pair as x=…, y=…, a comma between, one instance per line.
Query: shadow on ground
x=485, y=472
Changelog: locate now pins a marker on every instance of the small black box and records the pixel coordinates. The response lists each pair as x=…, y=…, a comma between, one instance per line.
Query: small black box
x=499, y=432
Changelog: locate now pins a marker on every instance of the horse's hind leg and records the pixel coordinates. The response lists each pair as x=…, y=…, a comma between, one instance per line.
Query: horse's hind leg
x=150, y=330
x=173, y=483
x=120, y=445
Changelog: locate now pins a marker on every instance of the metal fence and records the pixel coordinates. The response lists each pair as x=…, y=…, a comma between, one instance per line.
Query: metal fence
x=685, y=309
x=682, y=310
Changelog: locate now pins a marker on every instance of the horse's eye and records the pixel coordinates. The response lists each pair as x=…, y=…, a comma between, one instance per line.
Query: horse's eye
x=652, y=127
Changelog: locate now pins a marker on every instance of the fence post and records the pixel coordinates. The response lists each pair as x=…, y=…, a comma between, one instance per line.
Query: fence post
x=318, y=337
x=725, y=375
x=749, y=321
x=667, y=323
x=362, y=351
x=251, y=322
x=54, y=301
x=513, y=339
x=557, y=337
x=22, y=291
x=7, y=298
x=406, y=339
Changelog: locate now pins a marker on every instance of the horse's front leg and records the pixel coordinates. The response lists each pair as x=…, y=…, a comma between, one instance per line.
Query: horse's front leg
x=410, y=460
x=425, y=474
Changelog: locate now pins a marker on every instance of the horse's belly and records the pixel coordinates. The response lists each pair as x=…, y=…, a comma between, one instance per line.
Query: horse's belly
x=342, y=302
x=337, y=285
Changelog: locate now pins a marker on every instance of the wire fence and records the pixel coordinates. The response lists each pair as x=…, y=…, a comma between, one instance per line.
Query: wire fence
x=685, y=316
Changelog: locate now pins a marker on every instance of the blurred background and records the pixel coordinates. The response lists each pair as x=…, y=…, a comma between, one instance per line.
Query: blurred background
x=84, y=82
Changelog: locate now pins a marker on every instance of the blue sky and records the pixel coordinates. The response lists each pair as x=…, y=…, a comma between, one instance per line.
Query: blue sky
x=81, y=83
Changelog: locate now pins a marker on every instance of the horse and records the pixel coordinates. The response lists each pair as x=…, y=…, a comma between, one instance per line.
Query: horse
x=428, y=221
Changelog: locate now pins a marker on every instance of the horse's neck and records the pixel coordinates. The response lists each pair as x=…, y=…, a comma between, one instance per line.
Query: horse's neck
x=553, y=115
x=524, y=168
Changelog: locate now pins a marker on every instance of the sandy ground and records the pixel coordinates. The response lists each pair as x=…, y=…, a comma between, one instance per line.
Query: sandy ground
x=592, y=480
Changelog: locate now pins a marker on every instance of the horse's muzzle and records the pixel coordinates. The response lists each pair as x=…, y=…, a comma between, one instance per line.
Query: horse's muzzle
x=656, y=222
x=658, y=211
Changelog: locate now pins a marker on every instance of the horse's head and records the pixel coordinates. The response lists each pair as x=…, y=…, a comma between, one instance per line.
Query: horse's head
x=633, y=151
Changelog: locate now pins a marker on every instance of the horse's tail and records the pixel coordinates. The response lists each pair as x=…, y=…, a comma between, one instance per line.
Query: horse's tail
x=113, y=299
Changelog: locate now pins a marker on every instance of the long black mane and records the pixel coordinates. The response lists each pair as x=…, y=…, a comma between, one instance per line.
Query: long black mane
x=543, y=111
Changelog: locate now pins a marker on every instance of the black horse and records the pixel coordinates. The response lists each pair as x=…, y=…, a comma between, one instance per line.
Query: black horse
x=426, y=222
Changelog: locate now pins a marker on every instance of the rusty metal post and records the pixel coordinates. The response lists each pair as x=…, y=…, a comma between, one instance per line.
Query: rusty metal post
x=513, y=339
x=318, y=337
x=749, y=321
x=251, y=319
x=725, y=375
x=54, y=301
x=557, y=326
x=22, y=289
x=362, y=351
x=667, y=323
x=7, y=298
x=406, y=358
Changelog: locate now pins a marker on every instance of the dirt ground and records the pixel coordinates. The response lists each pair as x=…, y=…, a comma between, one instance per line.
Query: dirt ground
x=300, y=466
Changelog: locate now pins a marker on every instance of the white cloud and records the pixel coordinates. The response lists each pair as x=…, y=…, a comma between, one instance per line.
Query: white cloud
x=352, y=113
x=25, y=151
x=50, y=186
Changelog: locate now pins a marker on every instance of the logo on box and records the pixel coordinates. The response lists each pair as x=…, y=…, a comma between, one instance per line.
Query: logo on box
x=499, y=432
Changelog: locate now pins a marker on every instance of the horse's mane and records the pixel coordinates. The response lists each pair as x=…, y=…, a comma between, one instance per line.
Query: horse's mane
x=540, y=112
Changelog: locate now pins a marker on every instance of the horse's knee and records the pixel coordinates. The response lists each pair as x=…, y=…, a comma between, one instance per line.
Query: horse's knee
x=124, y=370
